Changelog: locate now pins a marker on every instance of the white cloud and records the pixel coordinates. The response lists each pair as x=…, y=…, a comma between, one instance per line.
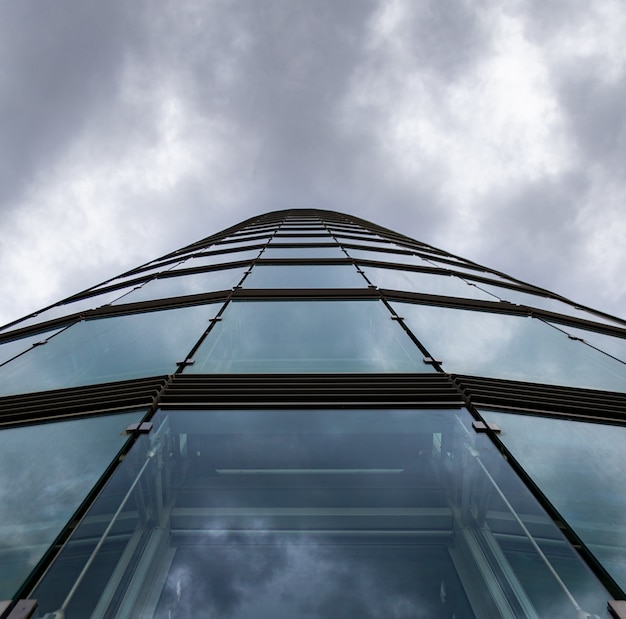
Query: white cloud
x=101, y=210
x=497, y=124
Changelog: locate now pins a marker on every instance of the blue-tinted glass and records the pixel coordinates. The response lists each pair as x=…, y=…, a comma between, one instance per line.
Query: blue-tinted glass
x=511, y=347
x=303, y=252
x=307, y=336
x=67, y=309
x=533, y=300
x=304, y=276
x=307, y=513
x=460, y=268
x=579, y=467
x=367, y=242
x=385, y=256
x=204, y=261
x=286, y=238
x=10, y=349
x=611, y=345
x=426, y=283
x=242, y=245
x=46, y=471
x=164, y=287
x=145, y=273
x=108, y=349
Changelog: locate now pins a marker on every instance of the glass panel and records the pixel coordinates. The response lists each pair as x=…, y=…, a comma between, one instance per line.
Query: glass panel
x=367, y=242
x=307, y=336
x=11, y=349
x=477, y=272
x=285, y=238
x=145, y=274
x=204, y=261
x=303, y=252
x=109, y=349
x=385, y=256
x=305, y=276
x=426, y=283
x=614, y=346
x=511, y=347
x=356, y=234
x=242, y=245
x=307, y=513
x=580, y=468
x=164, y=287
x=533, y=300
x=58, y=311
x=46, y=471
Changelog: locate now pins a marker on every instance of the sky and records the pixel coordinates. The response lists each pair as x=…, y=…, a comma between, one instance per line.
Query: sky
x=494, y=130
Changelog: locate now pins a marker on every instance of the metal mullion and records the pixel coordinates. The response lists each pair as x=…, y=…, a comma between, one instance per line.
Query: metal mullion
x=218, y=316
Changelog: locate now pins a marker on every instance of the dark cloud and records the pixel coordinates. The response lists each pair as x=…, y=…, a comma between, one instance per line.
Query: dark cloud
x=447, y=37
x=540, y=216
x=59, y=65
x=114, y=117
x=595, y=111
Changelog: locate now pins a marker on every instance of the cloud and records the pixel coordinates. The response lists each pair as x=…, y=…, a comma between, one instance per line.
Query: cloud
x=472, y=126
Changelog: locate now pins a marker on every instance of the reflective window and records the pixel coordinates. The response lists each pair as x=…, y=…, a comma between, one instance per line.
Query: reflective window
x=46, y=471
x=308, y=513
x=426, y=283
x=109, y=349
x=614, y=346
x=385, y=256
x=307, y=336
x=240, y=245
x=204, y=261
x=10, y=349
x=144, y=274
x=305, y=276
x=579, y=467
x=76, y=307
x=303, y=252
x=460, y=268
x=164, y=287
x=533, y=300
x=357, y=239
x=511, y=347
x=285, y=238
x=249, y=237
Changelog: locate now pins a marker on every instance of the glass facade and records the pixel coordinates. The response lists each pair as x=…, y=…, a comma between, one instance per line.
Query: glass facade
x=273, y=422
x=46, y=471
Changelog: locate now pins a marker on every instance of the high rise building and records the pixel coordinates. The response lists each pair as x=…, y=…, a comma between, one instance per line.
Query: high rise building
x=309, y=415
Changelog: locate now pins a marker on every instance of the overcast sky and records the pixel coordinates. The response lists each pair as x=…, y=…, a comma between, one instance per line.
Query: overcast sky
x=495, y=130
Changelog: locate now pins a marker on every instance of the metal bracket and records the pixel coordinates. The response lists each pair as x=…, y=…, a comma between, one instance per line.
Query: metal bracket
x=139, y=428
x=185, y=362
x=431, y=360
x=393, y=317
x=481, y=426
x=617, y=609
x=24, y=609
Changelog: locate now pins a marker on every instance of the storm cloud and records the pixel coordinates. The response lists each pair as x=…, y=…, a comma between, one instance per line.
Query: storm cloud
x=494, y=130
